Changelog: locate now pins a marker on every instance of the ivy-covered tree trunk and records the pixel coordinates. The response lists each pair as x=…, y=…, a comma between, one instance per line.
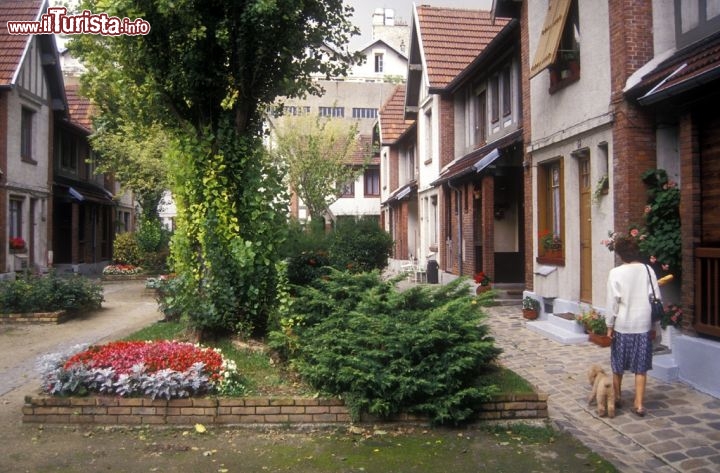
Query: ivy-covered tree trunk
x=231, y=214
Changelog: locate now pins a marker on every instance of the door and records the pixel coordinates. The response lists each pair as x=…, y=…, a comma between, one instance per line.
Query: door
x=585, y=230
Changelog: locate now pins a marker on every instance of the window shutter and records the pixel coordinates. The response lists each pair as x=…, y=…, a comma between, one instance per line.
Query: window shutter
x=547, y=48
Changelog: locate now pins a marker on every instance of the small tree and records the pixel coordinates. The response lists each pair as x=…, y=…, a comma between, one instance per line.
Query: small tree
x=317, y=153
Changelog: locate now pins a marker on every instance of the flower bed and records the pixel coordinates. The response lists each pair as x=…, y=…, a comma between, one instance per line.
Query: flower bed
x=165, y=369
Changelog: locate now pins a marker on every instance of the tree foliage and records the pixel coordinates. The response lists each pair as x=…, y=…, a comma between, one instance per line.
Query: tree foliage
x=206, y=71
x=317, y=152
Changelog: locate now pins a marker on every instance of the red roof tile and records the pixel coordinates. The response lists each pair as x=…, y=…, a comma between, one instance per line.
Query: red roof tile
x=452, y=38
x=79, y=108
x=12, y=47
x=392, y=117
x=362, y=151
x=699, y=62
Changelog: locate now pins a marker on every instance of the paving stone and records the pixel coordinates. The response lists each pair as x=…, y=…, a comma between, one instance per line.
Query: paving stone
x=675, y=457
x=701, y=452
x=685, y=420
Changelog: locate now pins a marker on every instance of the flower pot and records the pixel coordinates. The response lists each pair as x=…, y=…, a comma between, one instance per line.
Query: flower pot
x=482, y=288
x=530, y=314
x=600, y=340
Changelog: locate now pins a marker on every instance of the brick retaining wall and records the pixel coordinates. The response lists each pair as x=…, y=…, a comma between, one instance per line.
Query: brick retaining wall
x=108, y=410
x=36, y=318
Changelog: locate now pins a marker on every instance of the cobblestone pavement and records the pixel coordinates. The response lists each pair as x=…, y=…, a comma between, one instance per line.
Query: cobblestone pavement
x=681, y=431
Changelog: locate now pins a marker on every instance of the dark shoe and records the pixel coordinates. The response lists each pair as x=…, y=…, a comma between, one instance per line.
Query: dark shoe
x=618, y=404
x=640, y=412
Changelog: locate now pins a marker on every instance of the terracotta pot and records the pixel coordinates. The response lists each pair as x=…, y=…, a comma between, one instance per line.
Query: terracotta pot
x=601, y=340
x=480, y=289
x=530, y=314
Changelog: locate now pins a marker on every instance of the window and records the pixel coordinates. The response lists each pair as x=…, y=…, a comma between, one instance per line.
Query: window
x=494, y=99
x=480, y=125
x=551, y=212
x=559, y=45
x=15, y=222
x=379, y=62
x=372, y=182
x=348, y=189
x=26, y=134
x=67, y=147
x=364, y=112
x=428, y=137
x=295, y=110
x=336, y=112
x=695, y=20
x=506, y=91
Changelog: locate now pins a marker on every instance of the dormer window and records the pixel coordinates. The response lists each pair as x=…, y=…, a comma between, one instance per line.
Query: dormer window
x=559, y=45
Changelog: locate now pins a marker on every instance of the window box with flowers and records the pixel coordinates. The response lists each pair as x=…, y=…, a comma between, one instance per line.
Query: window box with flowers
x=551, y=248
x=17, y=245
x=483, y=281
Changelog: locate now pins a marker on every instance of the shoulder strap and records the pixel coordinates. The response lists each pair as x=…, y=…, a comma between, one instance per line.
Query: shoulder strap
x=652, y=286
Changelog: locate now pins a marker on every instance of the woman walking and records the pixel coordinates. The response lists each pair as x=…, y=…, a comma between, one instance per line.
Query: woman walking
x=628, y=319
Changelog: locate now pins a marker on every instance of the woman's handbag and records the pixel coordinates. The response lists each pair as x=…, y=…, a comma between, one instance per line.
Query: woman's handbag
x=656, y=306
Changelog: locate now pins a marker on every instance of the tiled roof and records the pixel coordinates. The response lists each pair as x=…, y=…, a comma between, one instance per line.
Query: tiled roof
x=464, y=165
x=79, y=107
x=452, y=38
x=392, y=117
x=12, y=47
x=688, y=68
x=361, y=152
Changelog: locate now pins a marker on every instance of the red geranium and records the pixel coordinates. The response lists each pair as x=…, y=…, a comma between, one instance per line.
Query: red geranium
x=155, y=355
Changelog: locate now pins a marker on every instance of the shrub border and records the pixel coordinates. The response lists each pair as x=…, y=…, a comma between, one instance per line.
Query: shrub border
x=106, y=410
x=36, y=318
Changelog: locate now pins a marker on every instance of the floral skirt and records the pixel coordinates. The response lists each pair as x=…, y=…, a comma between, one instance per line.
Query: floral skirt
x=631, y=352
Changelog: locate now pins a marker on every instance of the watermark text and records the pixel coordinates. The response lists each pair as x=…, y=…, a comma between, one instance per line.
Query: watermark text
x=57, y=21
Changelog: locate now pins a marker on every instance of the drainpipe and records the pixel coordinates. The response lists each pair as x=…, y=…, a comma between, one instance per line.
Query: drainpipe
x=459, y=224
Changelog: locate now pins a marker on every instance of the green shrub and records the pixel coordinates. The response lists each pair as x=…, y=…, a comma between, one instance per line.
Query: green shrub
x=49, y=293
x=150, y=236
x=360, y=245
x=126, y=249
x=385, y=351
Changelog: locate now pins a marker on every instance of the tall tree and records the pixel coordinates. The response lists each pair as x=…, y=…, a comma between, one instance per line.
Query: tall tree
x=208, y=69
x=317, y=153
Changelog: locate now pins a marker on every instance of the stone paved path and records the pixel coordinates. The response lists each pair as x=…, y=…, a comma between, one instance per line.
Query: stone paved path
x=681, y=431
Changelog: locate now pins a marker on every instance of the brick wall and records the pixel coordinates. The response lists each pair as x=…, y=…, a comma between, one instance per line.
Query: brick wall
x=488, y=218
x=634, y=142
x=394, y=161
x=468, y=220
x=527, y=138
x=691, y=212
x=447, y=130
x=36, y=318
x=3, y=178
x=238, y=411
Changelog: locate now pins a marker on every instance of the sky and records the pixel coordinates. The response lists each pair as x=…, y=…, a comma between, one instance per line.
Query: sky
x=403, y=9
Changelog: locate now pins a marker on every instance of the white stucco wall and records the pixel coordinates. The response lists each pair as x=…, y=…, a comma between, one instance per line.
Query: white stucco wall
x=590, y=96
x=394, y=64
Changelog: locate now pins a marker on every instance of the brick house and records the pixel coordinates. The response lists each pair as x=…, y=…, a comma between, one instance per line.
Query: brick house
x=611, y=89
x=482, y=188
x=399, y=174
x=31, y=94
x=86, y=212
x=429, y=155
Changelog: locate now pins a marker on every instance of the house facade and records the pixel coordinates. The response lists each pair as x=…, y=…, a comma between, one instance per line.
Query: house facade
x=436, y=211
x=55, y=210
x=610, y=90
x=31, y=93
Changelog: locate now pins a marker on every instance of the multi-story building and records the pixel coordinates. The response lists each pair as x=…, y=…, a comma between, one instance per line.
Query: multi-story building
x=610, y=90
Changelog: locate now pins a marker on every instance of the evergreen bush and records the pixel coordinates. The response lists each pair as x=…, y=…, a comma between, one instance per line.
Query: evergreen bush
x=49, y=293
x=359, y=245
x=385, y=351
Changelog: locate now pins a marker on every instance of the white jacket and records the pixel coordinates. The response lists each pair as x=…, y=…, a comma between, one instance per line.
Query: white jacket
x=628, y=303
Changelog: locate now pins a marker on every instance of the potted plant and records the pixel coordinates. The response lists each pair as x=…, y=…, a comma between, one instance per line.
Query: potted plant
x=595, y=326
x=17, y=244
x=551, y=244
x=484, y=282
x=530, y=308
